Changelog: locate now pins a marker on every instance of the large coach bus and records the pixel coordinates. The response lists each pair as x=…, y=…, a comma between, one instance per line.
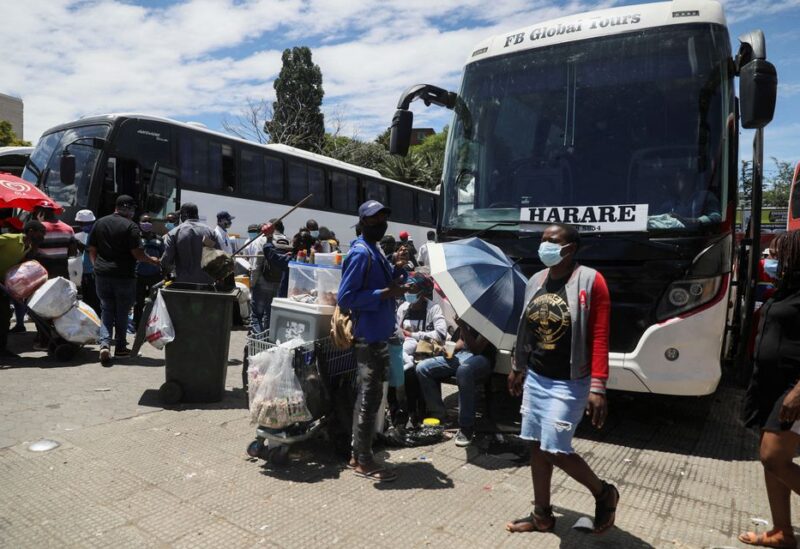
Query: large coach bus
x=793, y=221
x=624, y=123
x=13, y=159
x=163, y=163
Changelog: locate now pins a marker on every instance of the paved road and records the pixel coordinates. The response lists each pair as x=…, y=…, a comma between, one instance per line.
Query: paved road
x=131, y=473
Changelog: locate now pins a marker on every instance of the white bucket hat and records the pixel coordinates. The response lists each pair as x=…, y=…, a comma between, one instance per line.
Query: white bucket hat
x=84, y=216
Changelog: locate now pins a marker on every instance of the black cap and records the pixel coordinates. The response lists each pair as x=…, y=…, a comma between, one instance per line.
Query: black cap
x=125, y=201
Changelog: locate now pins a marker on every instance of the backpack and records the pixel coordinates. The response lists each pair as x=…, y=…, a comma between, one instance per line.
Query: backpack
x=342, y=320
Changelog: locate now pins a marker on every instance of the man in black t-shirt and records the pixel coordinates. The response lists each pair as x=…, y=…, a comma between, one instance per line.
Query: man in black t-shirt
x=114, y=248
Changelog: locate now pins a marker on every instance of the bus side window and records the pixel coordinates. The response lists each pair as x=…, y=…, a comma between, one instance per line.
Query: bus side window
x=344, y=192
x=253, y=180
x=298, y=181
x=316, y=186
x=274, y=187
x=376, y=191
x=221, y=168
x=193, y=153
x=425, y=209
x=402, y=204
x=162, y=196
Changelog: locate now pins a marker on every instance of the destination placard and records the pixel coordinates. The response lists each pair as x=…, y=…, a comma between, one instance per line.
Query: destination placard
x=609, y=218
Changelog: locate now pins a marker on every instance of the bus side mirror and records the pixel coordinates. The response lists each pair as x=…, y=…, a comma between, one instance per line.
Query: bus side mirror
x=400, y=138
x=67, y=169
x=758, y=89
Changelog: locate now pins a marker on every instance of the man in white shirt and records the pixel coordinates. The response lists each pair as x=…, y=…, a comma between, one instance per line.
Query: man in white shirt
x=224, y=221
x=422, y=257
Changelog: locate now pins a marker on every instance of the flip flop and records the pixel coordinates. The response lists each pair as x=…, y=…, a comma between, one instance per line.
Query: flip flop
x=767, y=539
x=377, y=475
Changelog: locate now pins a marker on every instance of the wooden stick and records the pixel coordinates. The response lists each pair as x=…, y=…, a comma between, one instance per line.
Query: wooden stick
x=281, y=218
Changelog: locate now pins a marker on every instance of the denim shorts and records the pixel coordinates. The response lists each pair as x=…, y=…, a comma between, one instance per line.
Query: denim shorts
x=552, y=409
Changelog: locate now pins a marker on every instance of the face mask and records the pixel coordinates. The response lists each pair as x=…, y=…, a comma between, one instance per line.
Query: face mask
x=315, y=234
x=146, y=226
x=771, y=267
x=169, y=225
x=550, y=254
x=252, y=236
x=375, y=232
x=412, y=298
x=86, y=229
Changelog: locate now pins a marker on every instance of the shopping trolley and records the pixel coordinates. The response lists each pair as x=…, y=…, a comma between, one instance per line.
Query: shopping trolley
x=327, y=376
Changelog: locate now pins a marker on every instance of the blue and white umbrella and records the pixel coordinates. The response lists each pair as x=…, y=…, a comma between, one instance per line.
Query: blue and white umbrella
x=484, y=286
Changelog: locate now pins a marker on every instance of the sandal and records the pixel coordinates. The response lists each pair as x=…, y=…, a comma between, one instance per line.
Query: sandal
x=605, y=508
x=774, y=538
x=381, y=474
x=540, y=520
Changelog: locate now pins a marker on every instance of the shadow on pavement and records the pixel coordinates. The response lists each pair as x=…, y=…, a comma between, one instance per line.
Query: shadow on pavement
x=416, y=476
x=233, y=399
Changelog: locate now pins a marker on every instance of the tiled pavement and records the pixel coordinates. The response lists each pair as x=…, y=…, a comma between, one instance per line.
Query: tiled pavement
x=129, y=473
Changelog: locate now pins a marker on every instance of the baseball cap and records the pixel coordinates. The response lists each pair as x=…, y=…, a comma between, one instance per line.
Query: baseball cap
x=403, y=235
x=254, y=228
x=84, y=216
x=372, y=207
x=224, y=215
x=125, y=201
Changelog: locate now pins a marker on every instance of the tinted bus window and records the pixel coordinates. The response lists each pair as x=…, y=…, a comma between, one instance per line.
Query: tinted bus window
x=344, y=192
x=193, y=161
x=426, y=208
x=376, y=191
x=298, y=181
x=402, y=204
x=316, y=186
x=274, y=186
x=221, y=168
x=253, y=180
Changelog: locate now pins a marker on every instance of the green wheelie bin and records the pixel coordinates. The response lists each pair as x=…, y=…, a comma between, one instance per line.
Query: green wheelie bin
x=197, y=359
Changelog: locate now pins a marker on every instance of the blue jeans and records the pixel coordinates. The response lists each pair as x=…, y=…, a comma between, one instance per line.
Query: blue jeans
x=261, y=295
x=117, y=296
x=469, y=370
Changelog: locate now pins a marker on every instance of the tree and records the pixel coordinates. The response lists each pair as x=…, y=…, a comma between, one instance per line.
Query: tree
x=778, y=186
x=296, y=116
x=249, y=122
x=383, y=138
x=8, y=138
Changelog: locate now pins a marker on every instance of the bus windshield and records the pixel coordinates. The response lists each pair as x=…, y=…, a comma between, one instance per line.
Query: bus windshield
x=632, y=119
x=43, y=167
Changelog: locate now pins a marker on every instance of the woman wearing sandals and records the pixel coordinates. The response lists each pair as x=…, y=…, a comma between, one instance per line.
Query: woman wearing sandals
x=561, y=358
x=773, y=397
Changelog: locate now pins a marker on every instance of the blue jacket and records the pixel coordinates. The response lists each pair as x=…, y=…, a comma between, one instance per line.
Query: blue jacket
x=365, y=272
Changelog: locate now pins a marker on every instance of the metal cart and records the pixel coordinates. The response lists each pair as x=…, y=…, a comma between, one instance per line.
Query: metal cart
x=327, y=376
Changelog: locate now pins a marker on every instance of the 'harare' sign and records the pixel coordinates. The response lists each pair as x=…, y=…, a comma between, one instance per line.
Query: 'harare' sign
x=612, y=218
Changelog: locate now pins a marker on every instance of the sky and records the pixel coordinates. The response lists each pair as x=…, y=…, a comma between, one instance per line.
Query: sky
x=201, y=60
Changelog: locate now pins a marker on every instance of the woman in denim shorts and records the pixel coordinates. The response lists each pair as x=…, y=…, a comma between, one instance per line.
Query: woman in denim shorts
x=560, y=368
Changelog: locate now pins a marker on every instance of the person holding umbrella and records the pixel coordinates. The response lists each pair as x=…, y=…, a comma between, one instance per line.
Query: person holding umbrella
x=560, y=367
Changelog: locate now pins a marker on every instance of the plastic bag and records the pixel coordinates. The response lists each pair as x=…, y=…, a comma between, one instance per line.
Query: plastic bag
x=159, y=330
x=80, y=324
x=24, y=279
x=54, y=298
x=278, y=401
x=75, y=266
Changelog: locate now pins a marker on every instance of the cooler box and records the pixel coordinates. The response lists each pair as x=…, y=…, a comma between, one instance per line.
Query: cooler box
x=291, y=319
x=314, y=283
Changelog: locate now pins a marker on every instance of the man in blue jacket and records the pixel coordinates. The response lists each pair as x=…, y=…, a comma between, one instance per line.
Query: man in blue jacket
x=369, y=288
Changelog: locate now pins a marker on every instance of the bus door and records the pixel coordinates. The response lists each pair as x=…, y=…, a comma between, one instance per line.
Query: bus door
x=143, y=158
x=793, y=221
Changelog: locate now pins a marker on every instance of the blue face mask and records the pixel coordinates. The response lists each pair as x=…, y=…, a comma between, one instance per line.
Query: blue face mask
x=169, y=225
x=550, y=254
x=252, y=236
x=771, y=268
x=412, y=298
x=314, y=234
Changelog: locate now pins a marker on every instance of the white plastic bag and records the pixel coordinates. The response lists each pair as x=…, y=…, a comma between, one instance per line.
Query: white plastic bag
x=278, y=401
x=80, y=325
x=54, y=298
x=159, y=330
x=75, y=266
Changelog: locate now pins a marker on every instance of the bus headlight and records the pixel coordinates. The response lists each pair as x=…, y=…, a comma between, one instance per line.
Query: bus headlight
x=685, y=295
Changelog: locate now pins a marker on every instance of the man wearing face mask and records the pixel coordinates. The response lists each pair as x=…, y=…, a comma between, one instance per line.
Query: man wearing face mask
x=370, y=285
x=147, y=275
x=115, y=246
x=560, y=367
x=313, y=227
x=85, y=220
x=224, y=222
x=171, y=221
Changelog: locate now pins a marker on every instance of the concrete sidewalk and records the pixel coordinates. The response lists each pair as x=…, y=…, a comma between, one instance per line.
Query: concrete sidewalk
x=130, y=473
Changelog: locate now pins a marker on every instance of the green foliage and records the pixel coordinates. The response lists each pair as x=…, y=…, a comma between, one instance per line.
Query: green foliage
x=8, y=138
x=383, y=139
x=296, y=116
x=353, y=151
x=778, y=186
x=746, y=182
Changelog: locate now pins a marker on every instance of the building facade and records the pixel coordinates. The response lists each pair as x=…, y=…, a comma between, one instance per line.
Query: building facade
x=11, y=109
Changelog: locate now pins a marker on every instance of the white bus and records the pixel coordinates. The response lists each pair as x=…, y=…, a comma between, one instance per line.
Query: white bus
x=624, y=122
x=13, y=159
x=163, y=163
